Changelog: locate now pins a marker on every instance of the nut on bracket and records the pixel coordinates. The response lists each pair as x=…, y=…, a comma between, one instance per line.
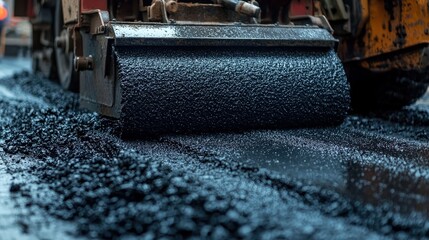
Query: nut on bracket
x=83, y=63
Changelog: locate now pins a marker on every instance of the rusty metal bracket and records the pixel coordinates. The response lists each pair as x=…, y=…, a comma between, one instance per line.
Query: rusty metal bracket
x=158, y=10
x=96, y=21
x=92, y=22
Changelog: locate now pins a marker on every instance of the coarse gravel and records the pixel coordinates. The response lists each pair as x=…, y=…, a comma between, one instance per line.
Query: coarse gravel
x=176, y=187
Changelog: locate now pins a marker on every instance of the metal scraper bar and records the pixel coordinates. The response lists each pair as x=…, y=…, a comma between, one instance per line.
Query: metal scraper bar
x=155, y=34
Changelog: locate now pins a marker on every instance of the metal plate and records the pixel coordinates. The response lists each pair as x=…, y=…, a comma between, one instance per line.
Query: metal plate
x=153, y=34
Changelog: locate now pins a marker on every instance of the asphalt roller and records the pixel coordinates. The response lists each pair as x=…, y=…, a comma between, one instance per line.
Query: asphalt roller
x=167, y=66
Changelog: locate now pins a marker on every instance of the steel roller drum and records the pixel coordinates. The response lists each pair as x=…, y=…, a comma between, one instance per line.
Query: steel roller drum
x=181, y=89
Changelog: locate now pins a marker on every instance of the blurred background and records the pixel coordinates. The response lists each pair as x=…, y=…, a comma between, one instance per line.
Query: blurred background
x=17, y=37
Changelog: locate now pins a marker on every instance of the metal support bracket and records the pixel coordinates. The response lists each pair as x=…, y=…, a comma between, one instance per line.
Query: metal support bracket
x=96, y=21
x=158, y=11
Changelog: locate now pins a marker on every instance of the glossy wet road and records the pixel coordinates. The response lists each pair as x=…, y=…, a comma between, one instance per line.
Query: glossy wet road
x=369, y=160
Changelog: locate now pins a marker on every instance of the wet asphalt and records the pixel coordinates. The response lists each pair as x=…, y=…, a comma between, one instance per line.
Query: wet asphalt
x=73, y=177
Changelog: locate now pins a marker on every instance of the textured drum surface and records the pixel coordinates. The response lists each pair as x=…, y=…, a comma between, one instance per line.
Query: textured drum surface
x=192, y=89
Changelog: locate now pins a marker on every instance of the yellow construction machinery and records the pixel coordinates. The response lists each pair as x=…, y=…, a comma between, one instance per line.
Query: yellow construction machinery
x=384, y=48
x=383, y=45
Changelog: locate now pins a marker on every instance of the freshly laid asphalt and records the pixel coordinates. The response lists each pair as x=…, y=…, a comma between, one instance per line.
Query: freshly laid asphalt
x=66, y=174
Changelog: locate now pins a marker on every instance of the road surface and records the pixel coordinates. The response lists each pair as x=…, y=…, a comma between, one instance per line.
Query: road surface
x=66, y=174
